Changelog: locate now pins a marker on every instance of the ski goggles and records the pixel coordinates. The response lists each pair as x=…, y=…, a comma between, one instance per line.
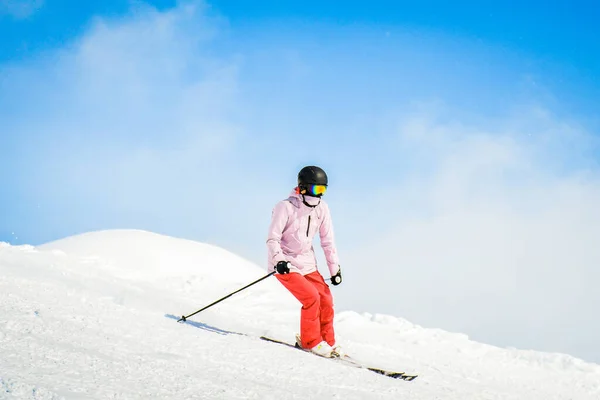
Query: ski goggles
x=317, y=190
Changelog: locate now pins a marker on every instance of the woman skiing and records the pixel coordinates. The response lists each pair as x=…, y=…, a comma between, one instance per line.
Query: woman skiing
x=294, y=224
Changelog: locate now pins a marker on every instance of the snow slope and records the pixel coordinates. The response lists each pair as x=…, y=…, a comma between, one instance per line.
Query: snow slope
x=93, y=317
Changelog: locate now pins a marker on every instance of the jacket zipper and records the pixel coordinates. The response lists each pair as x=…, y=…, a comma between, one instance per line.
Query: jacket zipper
x=308, y=227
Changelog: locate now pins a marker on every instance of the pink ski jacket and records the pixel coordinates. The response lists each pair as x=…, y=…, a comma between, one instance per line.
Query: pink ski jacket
x=292, y=230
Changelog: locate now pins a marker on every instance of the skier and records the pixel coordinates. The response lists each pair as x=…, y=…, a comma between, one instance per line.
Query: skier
x=294, y=223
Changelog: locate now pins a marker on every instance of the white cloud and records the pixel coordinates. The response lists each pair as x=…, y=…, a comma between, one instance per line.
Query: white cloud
x=131, y=120
x=492, y=232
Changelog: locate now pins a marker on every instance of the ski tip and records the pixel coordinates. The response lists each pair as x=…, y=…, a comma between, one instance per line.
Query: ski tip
x=396, y=375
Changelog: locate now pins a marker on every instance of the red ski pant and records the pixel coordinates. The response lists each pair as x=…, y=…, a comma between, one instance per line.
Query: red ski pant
x=316, y=315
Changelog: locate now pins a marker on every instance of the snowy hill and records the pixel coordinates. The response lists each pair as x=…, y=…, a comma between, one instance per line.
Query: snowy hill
x=91, y=317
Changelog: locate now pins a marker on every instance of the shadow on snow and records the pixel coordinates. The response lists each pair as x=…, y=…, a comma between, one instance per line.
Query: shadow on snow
x=203, y=326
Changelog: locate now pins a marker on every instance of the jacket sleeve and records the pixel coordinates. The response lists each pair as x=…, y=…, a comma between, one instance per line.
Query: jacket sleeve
x=279, y=219
x=328, y=243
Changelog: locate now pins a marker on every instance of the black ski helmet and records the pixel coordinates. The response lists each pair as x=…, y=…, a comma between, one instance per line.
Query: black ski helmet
x=312, y=175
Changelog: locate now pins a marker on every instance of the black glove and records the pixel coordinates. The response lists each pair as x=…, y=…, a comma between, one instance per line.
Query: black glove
x=337, y=278
x=283, y=267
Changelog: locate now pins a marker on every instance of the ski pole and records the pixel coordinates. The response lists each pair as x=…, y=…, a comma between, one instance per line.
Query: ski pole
x=185, y=317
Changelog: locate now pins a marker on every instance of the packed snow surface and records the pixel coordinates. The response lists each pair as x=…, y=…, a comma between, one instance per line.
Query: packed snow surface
x=94, y=317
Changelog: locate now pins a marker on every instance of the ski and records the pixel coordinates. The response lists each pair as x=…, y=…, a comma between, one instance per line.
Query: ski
x=350, y=362
x=346, y=359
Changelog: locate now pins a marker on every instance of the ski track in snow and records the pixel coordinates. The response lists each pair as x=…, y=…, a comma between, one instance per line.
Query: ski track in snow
x=93, y=317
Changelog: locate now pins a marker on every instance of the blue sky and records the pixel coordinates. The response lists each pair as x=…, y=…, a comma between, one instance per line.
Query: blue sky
x=563, y=35
x=461, y=143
